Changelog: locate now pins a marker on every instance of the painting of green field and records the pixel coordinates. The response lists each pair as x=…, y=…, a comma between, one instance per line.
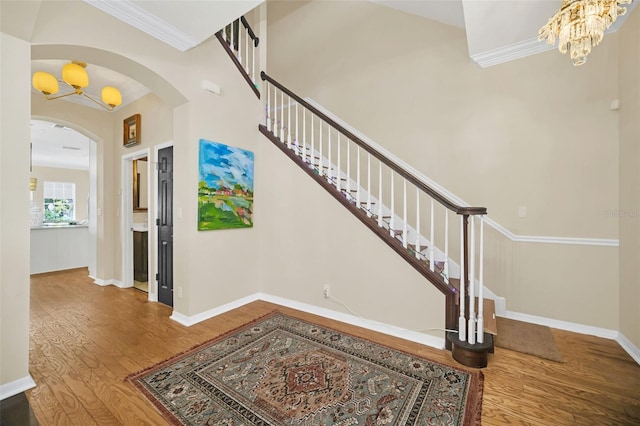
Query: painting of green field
x=225, y=187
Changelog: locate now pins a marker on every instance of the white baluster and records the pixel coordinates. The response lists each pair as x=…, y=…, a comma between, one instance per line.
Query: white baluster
x=471, y=338
x=369, y=184
x=282, y=138
x=329, y=172
x=446, y=246
x=393, y=209
x=432, y=260
x=320, y=149
x=239, y=42
x=462, y=323
x=339, y=166
x=304, y=134
x=358, y=176
x=404, y=213
x=289, y=144
x=312, y=153
x=268, y=105
x=253, y=62
x=247, y=37
x=297, y=139
x=224, y=33
x=380, y=193
x=481, y=285
x=417, y=222
x=349, y=169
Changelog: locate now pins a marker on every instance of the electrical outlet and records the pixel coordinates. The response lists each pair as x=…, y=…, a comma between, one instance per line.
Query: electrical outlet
x=325, y=291
x=179, y=292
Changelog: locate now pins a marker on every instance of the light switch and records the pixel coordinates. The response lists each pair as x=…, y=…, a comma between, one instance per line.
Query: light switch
x=522, y=211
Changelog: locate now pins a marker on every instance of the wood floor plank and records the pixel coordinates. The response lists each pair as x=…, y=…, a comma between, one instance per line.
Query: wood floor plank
x=86, y=339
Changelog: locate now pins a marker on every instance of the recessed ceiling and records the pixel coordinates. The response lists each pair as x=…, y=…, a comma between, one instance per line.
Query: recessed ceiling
x=54, y=145
x=99, y=77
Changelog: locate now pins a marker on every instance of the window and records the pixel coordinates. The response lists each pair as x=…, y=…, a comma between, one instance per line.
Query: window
x=59, y=201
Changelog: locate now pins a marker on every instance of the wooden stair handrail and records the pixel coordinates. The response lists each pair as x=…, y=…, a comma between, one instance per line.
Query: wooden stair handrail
x=253, y=36
x=448, y=290
x=235, y=60
x=461, y=210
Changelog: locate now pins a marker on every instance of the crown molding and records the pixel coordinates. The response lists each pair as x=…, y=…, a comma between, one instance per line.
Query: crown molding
x=532, y=46
x=137, y=17
x=511, y=52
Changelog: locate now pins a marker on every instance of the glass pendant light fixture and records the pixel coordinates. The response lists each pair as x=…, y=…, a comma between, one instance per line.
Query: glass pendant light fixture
x=579, y=25
x=74, y=75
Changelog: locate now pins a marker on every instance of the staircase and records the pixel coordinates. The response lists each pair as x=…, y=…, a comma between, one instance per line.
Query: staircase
x=443, y=241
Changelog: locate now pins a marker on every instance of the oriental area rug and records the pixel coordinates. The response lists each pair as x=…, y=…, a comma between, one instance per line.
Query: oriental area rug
x=280, y=370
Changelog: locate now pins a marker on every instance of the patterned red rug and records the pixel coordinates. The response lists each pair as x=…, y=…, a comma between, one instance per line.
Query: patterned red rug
x=279, y=370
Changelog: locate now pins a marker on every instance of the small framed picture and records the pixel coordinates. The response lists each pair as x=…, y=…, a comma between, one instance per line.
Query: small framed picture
x=132, y=130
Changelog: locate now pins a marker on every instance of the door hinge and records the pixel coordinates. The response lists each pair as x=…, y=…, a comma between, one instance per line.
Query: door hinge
x=157, y=277
x=158, y=222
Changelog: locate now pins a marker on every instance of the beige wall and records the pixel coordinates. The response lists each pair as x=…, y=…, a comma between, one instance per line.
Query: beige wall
x=55, y=174
x=14, y=205
x=629, y=71
x=536, y=132
x=156, y=121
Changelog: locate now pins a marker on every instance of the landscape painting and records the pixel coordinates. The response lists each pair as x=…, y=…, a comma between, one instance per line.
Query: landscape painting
x=225, y=187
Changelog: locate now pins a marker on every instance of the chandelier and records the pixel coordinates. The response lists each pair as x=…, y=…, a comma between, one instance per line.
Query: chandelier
x=75, y=77
x=580, y=25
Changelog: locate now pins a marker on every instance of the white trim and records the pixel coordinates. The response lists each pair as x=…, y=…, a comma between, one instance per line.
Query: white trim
x=413, y=336
x=17, y=386
x=605, y=333
x=189, y=321
x=455, y=199
x=126, y=213
x=111, y=281
x=631, y=349
x=511, y=52
x=532, y=46
x=139, y=18
x=564, y=325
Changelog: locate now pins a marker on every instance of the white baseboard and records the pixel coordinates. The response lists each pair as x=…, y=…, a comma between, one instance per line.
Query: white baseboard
x=413, y=336
x=626, y=344
x=189, y=321
x=111, y=281
x=13, y=388
x=631, y=349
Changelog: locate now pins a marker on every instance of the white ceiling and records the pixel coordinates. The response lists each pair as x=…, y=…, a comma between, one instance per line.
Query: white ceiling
x=99, y=77
x=58, y=146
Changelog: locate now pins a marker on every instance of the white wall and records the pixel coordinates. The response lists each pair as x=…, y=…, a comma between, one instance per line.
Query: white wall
x=14, y=219
x=56, y=174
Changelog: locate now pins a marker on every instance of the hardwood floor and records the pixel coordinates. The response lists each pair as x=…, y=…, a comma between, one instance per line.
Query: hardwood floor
x=85, y=339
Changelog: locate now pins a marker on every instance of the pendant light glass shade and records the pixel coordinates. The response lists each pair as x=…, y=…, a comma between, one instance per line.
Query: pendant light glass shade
x=75, y=75
x=45, y=83
x=111, y=96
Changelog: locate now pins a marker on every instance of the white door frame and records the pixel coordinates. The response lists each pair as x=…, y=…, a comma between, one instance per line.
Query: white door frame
x=126, y=198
